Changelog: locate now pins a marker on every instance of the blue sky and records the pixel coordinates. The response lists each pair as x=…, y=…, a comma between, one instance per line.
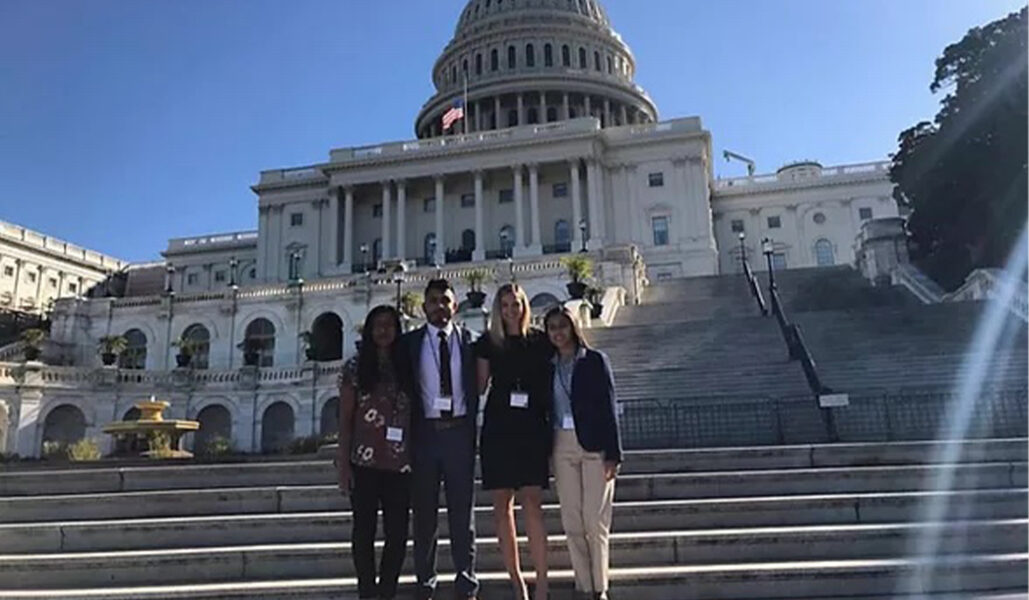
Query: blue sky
x=126, y=122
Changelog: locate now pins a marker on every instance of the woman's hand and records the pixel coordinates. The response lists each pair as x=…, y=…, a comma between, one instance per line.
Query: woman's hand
x=345, y=475
x=611, y=469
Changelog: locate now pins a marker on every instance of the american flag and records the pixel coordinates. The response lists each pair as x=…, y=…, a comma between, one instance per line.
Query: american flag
x=456, y=112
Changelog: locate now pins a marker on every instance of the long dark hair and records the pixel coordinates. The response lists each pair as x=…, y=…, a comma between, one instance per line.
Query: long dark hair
x=367, y=355
x=573, y=320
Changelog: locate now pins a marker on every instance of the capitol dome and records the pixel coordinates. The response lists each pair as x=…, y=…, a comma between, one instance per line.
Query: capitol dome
x=535, y=61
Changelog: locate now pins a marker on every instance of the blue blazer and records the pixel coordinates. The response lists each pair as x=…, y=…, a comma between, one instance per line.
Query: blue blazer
x=411, y=355
x=594, y=405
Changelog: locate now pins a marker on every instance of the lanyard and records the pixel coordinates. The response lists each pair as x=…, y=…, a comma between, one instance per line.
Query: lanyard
x=564, y=376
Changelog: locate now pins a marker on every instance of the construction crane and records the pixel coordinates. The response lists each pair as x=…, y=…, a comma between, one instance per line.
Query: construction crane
x=732, y=155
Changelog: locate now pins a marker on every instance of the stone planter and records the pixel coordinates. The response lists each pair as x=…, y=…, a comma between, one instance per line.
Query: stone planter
x=108, y=358
x=476, y=299
x=576, y=290
x=182, y=360
x=32, y=353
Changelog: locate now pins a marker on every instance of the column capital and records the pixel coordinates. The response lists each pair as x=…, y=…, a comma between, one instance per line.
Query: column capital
x=347, y=188
x=533, y=167
x=276, y=208
x=401, y=182
x=479, y=173
x=385, y=182
x=439, y=177
x=319, y=202
x=575, y=162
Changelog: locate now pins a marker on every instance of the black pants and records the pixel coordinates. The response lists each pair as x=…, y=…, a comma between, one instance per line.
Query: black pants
x=392, y=492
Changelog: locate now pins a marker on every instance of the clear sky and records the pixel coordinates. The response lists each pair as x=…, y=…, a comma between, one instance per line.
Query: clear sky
x=126, y=122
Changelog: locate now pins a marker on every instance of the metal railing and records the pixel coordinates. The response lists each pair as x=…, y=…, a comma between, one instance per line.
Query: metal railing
x=755, y=287
x=769, y=421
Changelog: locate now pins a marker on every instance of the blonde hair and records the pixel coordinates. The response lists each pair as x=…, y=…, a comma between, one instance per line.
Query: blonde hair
x=497, y=331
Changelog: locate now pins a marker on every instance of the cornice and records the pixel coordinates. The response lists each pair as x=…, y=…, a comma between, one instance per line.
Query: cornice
x=768, y=188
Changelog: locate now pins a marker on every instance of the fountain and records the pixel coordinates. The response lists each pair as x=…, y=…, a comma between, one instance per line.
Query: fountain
x=150, y=435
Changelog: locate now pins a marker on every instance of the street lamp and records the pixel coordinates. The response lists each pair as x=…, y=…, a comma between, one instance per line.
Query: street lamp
x=398, y=278
x=364, y=257
x=169, y=278
x=504, y=247
x=233, y=266
x=582, y=234
x=743, y=251
x=768, y=248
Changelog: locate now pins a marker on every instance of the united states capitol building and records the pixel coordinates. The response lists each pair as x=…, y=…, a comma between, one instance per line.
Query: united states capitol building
x=560, y=152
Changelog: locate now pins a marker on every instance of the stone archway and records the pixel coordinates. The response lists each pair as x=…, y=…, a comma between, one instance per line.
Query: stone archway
x=330, y=417
x=327, y=337
x=64, y=425
x=277, y=426
x=215, y=423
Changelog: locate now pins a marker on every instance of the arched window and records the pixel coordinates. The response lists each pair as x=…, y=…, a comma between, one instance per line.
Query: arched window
x=512, y=118
x=548, y=55
x=430, y=249
x=134, y=356
x=260, y=339
x=478, y=64
x=277, y=427
x=468, y=240
x=511, y=58
x=64, y=425
x=330, y=417
x=326, y=341
x=464, y=67
x=824, y=255
x=201, y=345
x=596, y=60
x=582, y=58
x=507, y=240
x=215, y=425
x=563, y=236
x=541, y=303
x=532, y=116
x=566, y=56
x=551, y=114
x=530, y=55
x=453, y=74
x=610, y=66
x=494, y=60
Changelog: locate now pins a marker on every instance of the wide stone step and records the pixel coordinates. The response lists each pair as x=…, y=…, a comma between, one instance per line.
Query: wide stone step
x=661, y=486
x=315, y=472
x=634, y=549
x=335, y=526
x=991, y=576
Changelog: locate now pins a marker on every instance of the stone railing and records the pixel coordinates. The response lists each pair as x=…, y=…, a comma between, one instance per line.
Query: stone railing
x=59, y=248
x=880, y=168
x=917, y=282
x=12, y=351
x=992, y=284
x=204, y=241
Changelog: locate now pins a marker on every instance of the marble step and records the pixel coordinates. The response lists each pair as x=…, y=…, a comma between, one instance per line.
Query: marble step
x=993, y=576
x=314, y=472
x=335, y=526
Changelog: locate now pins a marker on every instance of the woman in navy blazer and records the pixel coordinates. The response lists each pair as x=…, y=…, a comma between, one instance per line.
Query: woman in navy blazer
x=587, y=449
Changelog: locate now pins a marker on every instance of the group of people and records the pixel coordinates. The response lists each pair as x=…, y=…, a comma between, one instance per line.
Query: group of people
x=408, y=422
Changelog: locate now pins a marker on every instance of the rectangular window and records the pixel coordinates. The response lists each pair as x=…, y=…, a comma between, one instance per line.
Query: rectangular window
x=296, y=219
x=506, y=196
x=737, y=226
x=191, y=279
x=560, y=190
x=377, y=211
x=8, y=271
x=52, y=282
x=32, y=277
x=656, y=179
x=219, y=276
x=73, y=288
x=660, y=226
x=865, y=213
x=779, y=261
x=774, y=222
x=467, y=200
x=429, y=205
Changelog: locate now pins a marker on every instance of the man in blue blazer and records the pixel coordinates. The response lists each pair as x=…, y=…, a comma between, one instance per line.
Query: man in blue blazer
x=440, y=374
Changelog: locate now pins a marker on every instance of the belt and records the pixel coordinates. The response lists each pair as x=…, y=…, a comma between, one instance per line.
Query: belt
x=442, y=423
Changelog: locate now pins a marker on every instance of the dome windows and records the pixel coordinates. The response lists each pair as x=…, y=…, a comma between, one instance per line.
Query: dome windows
x=511, y=57
x=494, y=60
x=530, y=55
x=582, y=58
x=548, y=55
x=566, y=56
x=596, y=60
x=478, y=64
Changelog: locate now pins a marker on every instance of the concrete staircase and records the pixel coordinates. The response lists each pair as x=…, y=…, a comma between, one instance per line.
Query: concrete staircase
x=773, y=522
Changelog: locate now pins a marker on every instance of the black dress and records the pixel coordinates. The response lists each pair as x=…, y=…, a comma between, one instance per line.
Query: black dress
x=516, y=442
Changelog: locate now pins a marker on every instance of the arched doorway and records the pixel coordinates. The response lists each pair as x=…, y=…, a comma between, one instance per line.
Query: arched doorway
x=215, y=423
x=563, y=236
x=130, y=445
x=541, y=303
x=260, y=339
x=326, y=337
x=134, y=355
x=468, y=240
x=824, y=255
x=200, y=339
x=507, y=240
x=276, y=427
x=330, y=417
x=64, y=425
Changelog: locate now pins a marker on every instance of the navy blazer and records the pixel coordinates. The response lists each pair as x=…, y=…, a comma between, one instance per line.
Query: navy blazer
x=411, y=353
x=594, y=405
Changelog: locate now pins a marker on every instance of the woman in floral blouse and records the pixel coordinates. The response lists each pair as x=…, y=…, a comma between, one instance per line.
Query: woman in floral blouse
x=374, y=461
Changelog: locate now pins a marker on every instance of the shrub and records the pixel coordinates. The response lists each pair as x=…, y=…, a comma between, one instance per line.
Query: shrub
x=217, y=446
x=159, y=444
x=84, y=450
x=304, y=445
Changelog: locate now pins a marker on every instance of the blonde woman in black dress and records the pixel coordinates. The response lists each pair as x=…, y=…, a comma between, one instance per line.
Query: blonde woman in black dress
x=516, y=433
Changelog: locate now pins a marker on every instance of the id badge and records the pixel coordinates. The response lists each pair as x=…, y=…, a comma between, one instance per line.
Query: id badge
x=568, y=423
x=394, y=434
x=443, y=403
x=519, y=400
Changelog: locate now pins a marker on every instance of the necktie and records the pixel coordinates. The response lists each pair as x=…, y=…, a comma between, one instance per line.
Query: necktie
x=446, y=384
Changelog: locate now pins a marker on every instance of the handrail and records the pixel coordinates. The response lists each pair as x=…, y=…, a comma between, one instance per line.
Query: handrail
x=755, y=288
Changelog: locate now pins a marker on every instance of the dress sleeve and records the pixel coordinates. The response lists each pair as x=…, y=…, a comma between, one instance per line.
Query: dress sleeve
x=348, y=375
x=484, y=347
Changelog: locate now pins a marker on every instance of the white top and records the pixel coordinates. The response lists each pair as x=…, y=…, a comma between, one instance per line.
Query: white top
x=429, y=374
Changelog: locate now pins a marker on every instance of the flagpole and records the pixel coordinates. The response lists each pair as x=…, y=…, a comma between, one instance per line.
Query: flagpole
x=466, y=107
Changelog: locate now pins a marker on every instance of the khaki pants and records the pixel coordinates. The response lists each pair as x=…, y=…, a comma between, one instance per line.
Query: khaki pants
x=586, y=500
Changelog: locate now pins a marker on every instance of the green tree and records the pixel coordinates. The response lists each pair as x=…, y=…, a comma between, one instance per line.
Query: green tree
x=963, y=176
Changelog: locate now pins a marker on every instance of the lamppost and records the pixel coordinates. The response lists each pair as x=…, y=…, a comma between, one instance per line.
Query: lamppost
x=768, y=248
x=233, y=266
x=398, y=278
x=743, y=252
x=364, y=257
x=504, y=247
x=582, y=234
x=294, y=269
x=169, y=287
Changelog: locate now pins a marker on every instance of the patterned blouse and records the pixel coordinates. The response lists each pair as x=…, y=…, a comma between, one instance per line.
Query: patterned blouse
x=382, y=421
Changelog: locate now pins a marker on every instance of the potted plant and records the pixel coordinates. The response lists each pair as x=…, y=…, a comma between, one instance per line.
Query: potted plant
x=110, y=347
x=580, y=271
x=475, y=279
x=187, y=348
x=33, y=340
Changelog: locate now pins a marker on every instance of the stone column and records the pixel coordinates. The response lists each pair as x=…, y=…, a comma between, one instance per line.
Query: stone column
x=596, y=240
x=480, y=238
x=401, y=219
x=478, y=116
x=625, y=115
x=348, y=229
x=521, y=110
x=279, y=218
x=607, y=112
x=586, y=105
x=61, y=286
x=543, y=107
x=565, y=107
x=39, y=286
x=319, y=259
x=519, y=212
x=576, y=206
x=440, y=240
x=262, y=241
x=496, y=113
x=536, y=248
x=387, y=199
x=333, y=245
x=17, y=282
